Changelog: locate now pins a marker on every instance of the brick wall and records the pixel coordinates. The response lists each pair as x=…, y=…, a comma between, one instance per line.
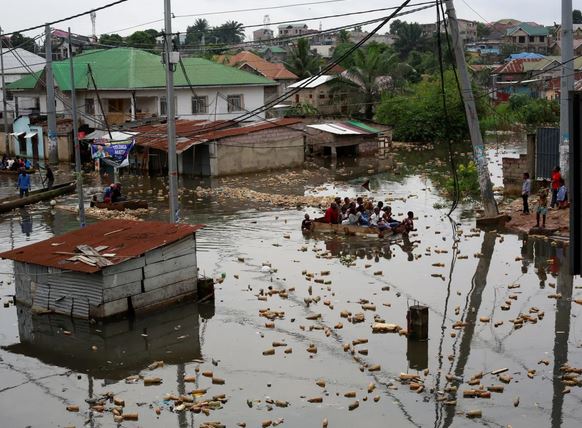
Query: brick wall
x=513, y=169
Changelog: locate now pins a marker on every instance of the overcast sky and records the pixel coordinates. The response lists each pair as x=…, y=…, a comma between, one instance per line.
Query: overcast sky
x=27, y=13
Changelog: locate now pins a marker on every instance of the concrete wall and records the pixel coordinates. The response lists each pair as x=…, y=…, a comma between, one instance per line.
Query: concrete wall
x=513, y=169
x=263, y=150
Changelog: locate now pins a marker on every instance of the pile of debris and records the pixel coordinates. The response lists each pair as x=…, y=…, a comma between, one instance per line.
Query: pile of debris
x=105, y=214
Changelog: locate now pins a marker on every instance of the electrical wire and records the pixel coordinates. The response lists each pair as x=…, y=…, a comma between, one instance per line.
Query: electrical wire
x=68, y=18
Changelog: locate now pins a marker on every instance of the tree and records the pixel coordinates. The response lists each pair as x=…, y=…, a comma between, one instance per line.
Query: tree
x=141, y=40
x=23, y=42
x=419, y=115
x=343, y=37
x=410, y=37
x=375, y=70
x=395, y=26
x=302, y=61
x=230, y=32
x=110, y=40
x=482, y=30
x=196, y=32
x=577, y=16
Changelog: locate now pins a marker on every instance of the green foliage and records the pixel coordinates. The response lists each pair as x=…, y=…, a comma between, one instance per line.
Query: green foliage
x=577, y=16
x=195, y=33
x=410, y=38
x=468, y=181
x=482, y=30
x=302, y=109
x=522, y=110
x=23, y=42
x=141, y=40
x=302, y=61
x=419, y=115
x=111, y=40
x=228, y=33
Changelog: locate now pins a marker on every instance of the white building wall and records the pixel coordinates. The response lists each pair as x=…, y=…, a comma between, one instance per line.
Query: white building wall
x=253, y=98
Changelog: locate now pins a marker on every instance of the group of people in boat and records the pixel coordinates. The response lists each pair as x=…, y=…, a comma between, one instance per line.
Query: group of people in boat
x=15, y=164
x=364, y=213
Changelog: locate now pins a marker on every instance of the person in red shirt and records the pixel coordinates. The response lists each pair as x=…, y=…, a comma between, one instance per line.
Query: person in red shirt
x=332, y=214
x=556, y=178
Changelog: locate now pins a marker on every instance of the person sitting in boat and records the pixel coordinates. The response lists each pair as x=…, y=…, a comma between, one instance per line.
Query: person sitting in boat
x=346, y=205
x=376, y=217
x=332, y=214
x=107, y=194
x=359, y=202
x=23, y=183
x=353, y=217
x=116, y=195
x=380, y=205
x=15, y=164
x=364, y=217
x=306, y=224
x=393, y=224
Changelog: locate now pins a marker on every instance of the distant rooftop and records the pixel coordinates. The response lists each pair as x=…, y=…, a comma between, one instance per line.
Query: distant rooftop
x=311, y=82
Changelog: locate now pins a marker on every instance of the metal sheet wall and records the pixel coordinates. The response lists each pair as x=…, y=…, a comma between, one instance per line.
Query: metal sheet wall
x=547, y=151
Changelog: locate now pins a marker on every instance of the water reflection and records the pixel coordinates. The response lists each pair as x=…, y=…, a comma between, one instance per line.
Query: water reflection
x=25, y=222
x=372, y=249
x=111, y=350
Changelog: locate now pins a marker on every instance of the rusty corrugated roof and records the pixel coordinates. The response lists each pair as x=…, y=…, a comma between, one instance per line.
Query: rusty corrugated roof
x=191, y=132
x=126, y=239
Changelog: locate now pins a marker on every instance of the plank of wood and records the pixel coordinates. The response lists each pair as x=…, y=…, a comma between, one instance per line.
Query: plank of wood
x=164, y=294
x=165, y=266
x=122, y=278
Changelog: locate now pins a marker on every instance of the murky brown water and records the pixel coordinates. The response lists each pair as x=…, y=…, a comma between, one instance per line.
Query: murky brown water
x=42, y=370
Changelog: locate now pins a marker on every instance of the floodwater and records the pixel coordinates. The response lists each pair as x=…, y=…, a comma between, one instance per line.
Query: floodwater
x=43, y=368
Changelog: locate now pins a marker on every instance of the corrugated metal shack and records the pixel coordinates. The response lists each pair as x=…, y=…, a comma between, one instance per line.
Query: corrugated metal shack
x=108, y=268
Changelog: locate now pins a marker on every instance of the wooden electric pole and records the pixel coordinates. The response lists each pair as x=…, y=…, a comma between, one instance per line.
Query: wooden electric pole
x=485, y=185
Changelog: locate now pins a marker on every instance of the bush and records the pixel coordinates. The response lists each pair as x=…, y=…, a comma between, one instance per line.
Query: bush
x=419, y=115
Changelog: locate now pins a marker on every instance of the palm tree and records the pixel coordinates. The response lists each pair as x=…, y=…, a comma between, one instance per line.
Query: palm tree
x=410, y=37
x=230, y=32
x=302, y=61
x=196, y=32
x=375, y=70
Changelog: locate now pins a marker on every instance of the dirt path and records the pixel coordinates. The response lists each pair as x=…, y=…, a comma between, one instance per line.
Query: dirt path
x=556, y=219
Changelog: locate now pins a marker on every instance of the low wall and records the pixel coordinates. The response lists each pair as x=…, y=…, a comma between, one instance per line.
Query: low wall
x=258, y=151
x=513, y=169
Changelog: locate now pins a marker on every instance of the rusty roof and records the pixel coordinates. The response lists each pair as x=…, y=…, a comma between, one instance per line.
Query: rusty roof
x=126, y=239
x=191, y=132
x=270, y=70
x=155, y=136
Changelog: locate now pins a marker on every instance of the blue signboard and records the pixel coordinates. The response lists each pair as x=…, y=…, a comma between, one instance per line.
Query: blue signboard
x=115, y=152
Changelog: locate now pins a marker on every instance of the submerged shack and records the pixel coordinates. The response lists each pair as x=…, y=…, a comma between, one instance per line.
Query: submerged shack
x=108, y=268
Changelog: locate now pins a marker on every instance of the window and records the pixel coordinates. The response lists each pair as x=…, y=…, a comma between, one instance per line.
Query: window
x=199, y=105
x=89, y=106
x=532, y=39
x=235, y=103
x=322, y=95
x=163, y=106
x=542, y=39
x=521, y=39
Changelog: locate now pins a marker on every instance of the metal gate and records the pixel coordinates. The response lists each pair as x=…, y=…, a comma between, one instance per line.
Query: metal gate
x=547, y=151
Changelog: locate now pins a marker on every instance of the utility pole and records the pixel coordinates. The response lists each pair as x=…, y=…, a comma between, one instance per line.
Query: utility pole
x=4, y=109
x=50, y=97
x=487, y=198
x=171, y=59
x=78, y=171
x=566, y=85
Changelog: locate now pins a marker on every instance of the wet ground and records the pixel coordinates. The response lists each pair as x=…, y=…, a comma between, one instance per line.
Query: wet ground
x=464, y=277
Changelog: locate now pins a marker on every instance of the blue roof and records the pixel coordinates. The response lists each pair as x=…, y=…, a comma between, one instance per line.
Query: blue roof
x=525, y=55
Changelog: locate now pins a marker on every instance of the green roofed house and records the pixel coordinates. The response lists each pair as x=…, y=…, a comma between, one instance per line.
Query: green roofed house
x=527, y=37
x=131, y=86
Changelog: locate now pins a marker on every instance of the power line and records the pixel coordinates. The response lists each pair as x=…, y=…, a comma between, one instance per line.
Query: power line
x=228, y=11
x=68, y=18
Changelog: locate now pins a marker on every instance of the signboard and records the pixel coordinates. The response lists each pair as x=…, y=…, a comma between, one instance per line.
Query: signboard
x=113, y=152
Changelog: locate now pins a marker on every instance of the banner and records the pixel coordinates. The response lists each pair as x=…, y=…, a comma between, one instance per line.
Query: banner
x=115, y=153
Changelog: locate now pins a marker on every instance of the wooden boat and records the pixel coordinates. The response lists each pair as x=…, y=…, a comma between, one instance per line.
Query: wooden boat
x=16, y=172
x=35, y=196
x=121, y=205
x=344, y=229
